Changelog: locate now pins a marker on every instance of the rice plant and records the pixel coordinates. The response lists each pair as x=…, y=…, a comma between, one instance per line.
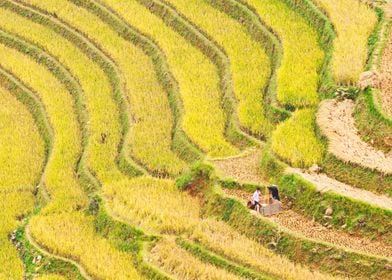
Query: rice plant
x=51, y=277
x=59, y=176
x=21, y=152
x=60, y=179
x=60, y=231
x=295, y=140
x=354, y=21
x=298, y=78
x=151, y=124
x=21, y=148
x=204, y=119
x=250, y=64
x=183, y=265
x=181, y=214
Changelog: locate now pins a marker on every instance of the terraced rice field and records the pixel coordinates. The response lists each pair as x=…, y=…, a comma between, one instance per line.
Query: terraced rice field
x=132, y=133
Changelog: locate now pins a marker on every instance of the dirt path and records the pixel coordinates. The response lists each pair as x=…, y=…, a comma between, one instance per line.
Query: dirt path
x=310, y=229
x=323, y=183
x=336, y=122
x=246, y=169
x=243, y=168
x=304, y=226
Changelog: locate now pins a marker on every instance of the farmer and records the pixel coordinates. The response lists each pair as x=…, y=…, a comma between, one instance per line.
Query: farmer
x=256, y=199
x=274, y=192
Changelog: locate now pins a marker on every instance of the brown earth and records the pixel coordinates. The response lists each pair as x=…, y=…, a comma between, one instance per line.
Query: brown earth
x=298, y=223
x=337, y=124
x=308, y=228
x=243, y=169
x=323, y=183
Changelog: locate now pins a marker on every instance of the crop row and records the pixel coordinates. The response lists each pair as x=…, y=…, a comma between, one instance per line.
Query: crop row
x=107, y=169
x=298, y=80
x=71, y=194
x=22, y=152
x=197, y=77
x=129, y=200
x=250, y=64
x=303, y=199
x=354, y=22
x=150, y=134
x=50, y=222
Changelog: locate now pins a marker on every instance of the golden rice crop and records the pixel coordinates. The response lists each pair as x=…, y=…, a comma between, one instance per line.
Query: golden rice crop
x=101, y=155
x=145, y=201
x=21, y=147
x=250, y=64
x=183, y=265
x=14, y=204
x=21, y=159
x=222, y=238
x=59, y=176
x=354, y=21
x=163, y=209
x=204, y=120
x=151, y=124
x=47, y=229
x=295, y=140
x=302, y=56
x=61, y=231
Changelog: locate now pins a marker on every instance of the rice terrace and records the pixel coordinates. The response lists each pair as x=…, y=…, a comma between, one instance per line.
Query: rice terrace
x=195, y=139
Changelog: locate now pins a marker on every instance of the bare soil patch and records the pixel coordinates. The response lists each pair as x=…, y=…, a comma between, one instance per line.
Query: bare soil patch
x=337, y=123
x=244, y=169
x=323, y=183
x=308, y=228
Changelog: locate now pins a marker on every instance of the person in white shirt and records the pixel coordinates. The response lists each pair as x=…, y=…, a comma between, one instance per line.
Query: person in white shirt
x=256, y=199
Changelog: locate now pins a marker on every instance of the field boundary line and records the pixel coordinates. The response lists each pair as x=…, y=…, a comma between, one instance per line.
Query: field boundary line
x=210, y=49
x=181, y=143
x=127, y=165
x=46, y=252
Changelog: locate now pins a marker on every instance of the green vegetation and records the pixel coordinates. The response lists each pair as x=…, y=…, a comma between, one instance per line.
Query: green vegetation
x=295, y=140
x=112, y=109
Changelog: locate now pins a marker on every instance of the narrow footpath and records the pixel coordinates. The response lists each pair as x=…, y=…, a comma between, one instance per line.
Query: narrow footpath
x=245, y=169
